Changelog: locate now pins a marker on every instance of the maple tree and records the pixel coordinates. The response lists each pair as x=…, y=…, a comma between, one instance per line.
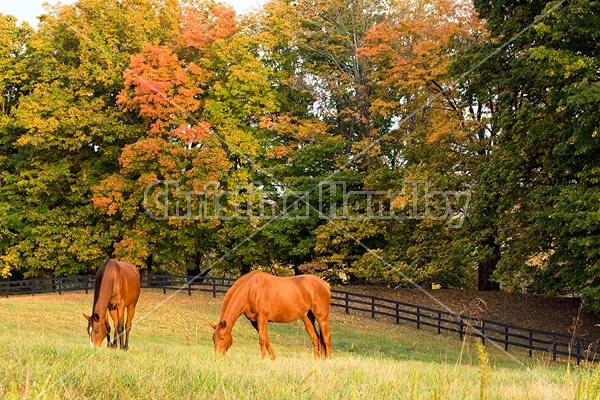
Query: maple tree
x=420, y=133
x=200, y=98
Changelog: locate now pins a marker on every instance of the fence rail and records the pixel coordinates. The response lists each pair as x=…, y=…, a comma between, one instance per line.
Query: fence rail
x=507, y=336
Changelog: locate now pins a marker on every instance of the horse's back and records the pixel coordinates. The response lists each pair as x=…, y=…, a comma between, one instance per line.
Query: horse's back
x=125, y=281
x=131, y=281
x=130, y=271
x=313, y=281
x=301, y=291
x=318, y=290
x=307, y=283
x=314, y=284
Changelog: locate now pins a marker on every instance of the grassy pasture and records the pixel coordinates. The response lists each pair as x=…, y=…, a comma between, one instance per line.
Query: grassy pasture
x=44, y=353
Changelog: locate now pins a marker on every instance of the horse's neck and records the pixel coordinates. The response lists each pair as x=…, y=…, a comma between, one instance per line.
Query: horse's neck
x=102, y=297
x=233, y=306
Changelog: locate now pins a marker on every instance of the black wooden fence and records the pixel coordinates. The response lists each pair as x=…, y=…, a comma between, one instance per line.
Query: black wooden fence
x=575, y=347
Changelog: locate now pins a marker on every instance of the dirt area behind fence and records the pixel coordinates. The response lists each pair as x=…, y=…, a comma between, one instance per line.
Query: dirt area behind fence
x=554, y=314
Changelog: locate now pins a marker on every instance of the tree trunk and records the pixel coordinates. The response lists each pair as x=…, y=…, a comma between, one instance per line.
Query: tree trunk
x=245, y=268
x=487, y=268
x=196, y=270
x=149, y=261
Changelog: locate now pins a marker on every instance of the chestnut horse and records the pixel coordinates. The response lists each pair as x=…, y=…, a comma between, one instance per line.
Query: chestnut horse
x=265, y=298
x=117, y=288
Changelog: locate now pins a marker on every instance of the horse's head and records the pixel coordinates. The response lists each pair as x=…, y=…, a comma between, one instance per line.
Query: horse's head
x=96, y=329
x=221, y=337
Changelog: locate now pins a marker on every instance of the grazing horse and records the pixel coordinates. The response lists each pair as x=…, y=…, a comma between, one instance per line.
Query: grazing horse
x=117, y=288
x=265, y=298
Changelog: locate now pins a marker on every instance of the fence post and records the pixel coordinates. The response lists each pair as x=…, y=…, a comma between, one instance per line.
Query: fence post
x=33, y=287
x=164, y=282
x=87, y=284
x=483, y=333
x=60, y=286
x=372, y=307
x=397, y=313
x=460, y=328
x=418, y=318
x=506, y=338
x=553, y=348
x=578, y=349
x=189, y=287
x=530, y=351
x=346, y=302
x=214, y=288
x=439, y=327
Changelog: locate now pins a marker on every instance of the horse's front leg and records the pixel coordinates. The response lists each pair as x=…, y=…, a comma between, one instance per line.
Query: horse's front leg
x=130, y=314
x=263, y=337
x=107, y=326
x=115, y=318
x=255, y=325
x=121, y=325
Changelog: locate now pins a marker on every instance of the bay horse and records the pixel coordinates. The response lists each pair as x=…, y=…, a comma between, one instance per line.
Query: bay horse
x=117, y=288
x=265, y=298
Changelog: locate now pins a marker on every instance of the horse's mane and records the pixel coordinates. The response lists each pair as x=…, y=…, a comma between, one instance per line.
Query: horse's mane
x=98, y=284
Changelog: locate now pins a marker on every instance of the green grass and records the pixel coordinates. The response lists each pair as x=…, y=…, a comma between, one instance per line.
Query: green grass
x=44, y=353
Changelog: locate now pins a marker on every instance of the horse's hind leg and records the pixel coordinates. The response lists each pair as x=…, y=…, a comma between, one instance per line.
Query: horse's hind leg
x=320, y=342
x=325, y=335
x=309, y=325
x=130, y=314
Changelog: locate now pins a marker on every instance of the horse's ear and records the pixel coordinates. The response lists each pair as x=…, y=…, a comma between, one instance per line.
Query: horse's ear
x=96, y=317
x=223, y=324
x=212, y=325
x=87, y=317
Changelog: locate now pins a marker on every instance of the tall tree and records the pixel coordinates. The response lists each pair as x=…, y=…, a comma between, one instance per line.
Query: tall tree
x=540, y=179
x=13, y=78
x=67, y=132
x=423, y=135
x=201, y=97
